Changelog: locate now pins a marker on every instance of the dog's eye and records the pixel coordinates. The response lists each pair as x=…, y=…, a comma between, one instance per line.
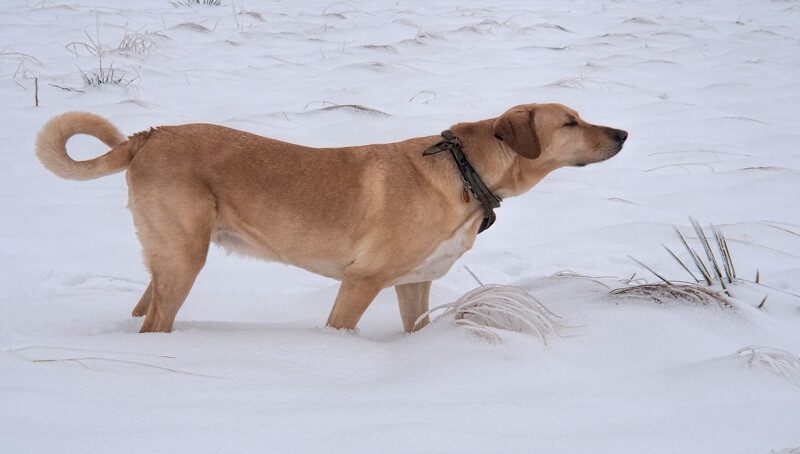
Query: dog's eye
x=571, y=123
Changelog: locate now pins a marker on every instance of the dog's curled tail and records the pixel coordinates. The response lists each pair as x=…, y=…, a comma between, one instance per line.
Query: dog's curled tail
x=51, y=146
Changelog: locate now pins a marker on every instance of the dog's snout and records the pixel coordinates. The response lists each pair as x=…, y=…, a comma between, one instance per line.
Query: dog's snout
x=619, y=134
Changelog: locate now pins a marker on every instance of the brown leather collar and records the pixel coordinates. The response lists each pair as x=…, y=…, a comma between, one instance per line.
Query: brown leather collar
x=472, y=180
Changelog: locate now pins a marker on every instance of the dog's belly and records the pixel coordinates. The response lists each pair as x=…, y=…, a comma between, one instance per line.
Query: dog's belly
x=238, y=243
x=243, y=242
x=439, y=262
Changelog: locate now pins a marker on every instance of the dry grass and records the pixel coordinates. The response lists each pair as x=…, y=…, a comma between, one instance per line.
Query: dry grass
x=383, y=47
x=26, y=75
x=340, y=10
x=778, y=362
x=431, y=96
x=246, y=19
x=545, y=25
x=493, y=307
x=715, y=270
x=193, y=26
x=106, y=75
x=665, y=293
x=21, y=56
x=132, y=43
x=135, y=42
x=330, y=106
x=197, y=2
x=140, y=43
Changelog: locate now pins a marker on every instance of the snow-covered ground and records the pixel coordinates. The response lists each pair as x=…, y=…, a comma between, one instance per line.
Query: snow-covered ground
x=709, y=92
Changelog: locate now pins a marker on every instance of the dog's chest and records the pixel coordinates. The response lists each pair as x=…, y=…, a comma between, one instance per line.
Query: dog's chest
x=442, y=258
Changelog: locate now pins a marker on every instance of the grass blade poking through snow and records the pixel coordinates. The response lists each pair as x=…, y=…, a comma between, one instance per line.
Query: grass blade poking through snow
x=722, y=245
x=695, y=258
x=651, y=270
x=709, y=253
x=697, y=281
x=726, y=282
x=692, y=292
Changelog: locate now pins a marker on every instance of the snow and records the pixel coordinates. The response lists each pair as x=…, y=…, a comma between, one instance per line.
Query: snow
x=708, y=91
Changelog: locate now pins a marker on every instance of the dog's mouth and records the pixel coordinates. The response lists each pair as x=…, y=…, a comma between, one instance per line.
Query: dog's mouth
x=605, y=152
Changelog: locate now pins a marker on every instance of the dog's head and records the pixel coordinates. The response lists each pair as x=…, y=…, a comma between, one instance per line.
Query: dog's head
x=556, y=134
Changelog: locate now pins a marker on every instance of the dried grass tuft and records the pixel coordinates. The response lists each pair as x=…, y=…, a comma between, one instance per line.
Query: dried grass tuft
x=105, y=76
x=711, y=271
x=193, y=26
x=140, y=43
x=779, y=362
x=197, y=2
x=665, y=293
x=330, y=106
x=493, y=307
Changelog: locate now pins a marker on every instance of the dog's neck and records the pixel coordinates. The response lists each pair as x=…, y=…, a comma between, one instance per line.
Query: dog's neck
x=504, y=171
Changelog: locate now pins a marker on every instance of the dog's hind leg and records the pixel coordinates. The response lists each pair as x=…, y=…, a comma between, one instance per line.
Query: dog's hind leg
x=175, y=233
x=144, y=302
x=413, y=301
x=174, y=268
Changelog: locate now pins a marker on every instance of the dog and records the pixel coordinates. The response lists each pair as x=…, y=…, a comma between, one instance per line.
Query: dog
x=371, y=216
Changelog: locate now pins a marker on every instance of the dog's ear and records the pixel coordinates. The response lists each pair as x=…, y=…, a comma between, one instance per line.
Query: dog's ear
x=517, y=129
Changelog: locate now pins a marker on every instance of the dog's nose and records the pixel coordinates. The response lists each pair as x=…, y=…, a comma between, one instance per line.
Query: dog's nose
x=620, y=135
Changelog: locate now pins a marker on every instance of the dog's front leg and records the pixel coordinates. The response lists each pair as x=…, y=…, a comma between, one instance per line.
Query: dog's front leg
x=355, y=295
x=413, y=301
x=144, y=302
